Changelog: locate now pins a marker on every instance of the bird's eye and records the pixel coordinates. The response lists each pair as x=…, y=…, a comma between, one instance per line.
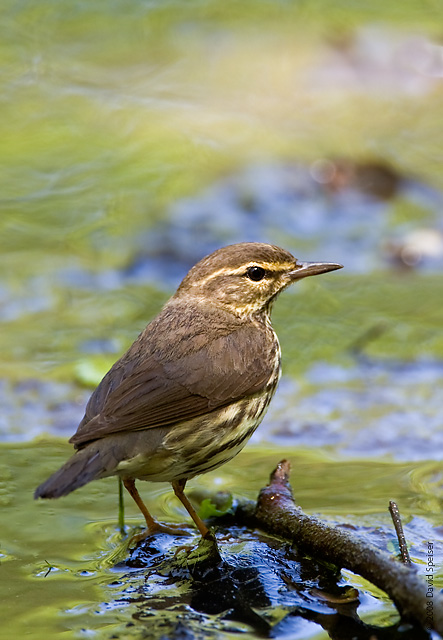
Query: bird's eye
x=256, y=273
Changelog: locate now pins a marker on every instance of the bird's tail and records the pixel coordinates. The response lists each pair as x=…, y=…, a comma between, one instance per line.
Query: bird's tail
x=85, y=465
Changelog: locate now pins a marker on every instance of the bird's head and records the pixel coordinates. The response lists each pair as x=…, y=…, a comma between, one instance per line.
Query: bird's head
x=245, y=278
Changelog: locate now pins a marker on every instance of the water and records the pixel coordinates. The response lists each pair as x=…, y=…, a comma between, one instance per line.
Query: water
x=136, y=138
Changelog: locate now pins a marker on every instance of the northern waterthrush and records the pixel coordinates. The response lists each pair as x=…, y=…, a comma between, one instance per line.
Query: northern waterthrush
x=189, y=393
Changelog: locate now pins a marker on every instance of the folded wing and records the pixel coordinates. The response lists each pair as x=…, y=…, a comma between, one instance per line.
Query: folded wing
x=144, y=390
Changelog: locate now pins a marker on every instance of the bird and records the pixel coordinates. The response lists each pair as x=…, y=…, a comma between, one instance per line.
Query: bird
x=191, y=390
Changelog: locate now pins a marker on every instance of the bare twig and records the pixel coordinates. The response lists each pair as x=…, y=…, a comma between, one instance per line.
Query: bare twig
x=277, y=513
x=396, y=519
x=121, y=507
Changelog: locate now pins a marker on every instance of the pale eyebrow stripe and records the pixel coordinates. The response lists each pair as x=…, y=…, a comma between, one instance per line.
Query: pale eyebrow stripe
x=268, y=266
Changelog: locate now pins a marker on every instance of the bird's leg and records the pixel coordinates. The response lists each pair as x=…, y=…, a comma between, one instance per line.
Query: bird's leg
x=178, y=486
x=152, y=526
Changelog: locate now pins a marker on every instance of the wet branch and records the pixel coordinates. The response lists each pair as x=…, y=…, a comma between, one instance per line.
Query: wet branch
x=277, y=513
x=395, y=515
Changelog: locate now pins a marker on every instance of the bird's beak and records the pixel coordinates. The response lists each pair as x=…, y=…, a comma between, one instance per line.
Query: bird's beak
x=305, y=269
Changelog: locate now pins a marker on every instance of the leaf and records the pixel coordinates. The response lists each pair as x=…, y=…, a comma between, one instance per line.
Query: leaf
x=209, y=510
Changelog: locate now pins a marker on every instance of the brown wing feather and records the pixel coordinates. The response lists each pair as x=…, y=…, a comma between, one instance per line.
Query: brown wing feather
x=153, y=387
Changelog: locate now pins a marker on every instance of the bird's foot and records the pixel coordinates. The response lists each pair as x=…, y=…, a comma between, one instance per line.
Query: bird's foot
x=207, y=540
x=159, y=527
x=201, y=557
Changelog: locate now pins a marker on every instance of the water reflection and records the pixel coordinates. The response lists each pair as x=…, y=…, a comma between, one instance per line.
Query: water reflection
x=262, y=587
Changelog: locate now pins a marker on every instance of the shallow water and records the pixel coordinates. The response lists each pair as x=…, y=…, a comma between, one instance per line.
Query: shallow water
x=137, y=138
x=76, y=574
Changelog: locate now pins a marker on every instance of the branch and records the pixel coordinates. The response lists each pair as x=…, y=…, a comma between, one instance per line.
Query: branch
x=277, y=513
x=395, y=515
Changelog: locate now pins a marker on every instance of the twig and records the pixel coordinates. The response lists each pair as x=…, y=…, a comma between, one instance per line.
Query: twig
x=396, y=519
x=121, y=507
x=277, y=513
x=50, y=568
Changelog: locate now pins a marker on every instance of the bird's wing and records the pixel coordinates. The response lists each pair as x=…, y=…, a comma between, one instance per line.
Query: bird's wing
x=142, y=392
